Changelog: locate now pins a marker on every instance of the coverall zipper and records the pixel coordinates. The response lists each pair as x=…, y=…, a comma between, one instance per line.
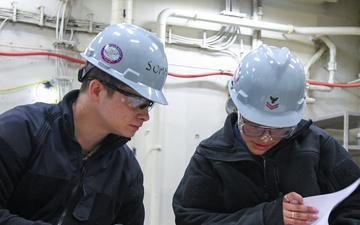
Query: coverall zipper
x=265, y=180
x=74, y=191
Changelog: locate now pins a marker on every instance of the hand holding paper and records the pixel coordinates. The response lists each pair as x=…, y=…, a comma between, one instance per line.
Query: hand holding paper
x=327, y=202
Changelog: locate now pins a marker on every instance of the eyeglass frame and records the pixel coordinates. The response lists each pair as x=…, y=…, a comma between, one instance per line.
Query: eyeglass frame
x=241, y=123
x=144, y=105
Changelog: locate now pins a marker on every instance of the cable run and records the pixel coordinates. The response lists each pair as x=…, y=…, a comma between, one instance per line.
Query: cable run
x=76, y=60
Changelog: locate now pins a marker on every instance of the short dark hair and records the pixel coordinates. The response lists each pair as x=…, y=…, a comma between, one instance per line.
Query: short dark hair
x=96, y=73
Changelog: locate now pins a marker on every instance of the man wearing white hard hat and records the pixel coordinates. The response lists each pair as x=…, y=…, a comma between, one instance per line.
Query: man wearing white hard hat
x=68, y=163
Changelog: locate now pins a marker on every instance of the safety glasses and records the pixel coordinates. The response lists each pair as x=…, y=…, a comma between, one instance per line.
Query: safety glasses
x=253, y=130
x=132, y=100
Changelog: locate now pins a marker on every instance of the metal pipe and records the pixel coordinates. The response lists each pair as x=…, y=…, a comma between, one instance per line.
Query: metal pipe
x=261, y=25
x=121, y=11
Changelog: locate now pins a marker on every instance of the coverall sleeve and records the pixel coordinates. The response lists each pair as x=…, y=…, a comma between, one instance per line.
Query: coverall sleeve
x=11, y=167
x=198, y=200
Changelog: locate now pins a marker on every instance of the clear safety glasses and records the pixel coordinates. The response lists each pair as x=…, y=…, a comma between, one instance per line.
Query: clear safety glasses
x=253, y=130
x=130, y=99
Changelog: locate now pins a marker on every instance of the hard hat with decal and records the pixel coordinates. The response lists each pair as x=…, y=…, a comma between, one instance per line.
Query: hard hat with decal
x=268, y=87
x=132, y=55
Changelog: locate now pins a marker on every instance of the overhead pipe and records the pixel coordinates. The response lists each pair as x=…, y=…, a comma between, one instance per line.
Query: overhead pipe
x=14, y=4
x=332, y=65
x=256, y=16
x=353, y=84
x=287, y=29
x=41, y=16
x=121, y=11
x=307, y=66
x=313, y=59
x=46, y=53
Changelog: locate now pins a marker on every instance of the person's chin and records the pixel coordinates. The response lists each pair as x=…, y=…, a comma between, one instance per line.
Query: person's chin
x=258, y=152
x=129, y=134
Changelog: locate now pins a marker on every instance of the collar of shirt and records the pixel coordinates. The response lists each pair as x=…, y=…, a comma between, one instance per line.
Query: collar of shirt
x=238, y=136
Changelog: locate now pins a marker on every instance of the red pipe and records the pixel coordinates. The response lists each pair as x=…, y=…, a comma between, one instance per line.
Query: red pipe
x=43, y=53
x=333, y=85
x=200, y=75
x=76, y=60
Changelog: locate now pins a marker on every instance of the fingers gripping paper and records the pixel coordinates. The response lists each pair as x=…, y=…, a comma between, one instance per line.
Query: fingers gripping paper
x=327, y=202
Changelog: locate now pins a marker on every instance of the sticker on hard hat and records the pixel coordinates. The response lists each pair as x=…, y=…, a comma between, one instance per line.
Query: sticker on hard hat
x=111, y=53
x=274, y=103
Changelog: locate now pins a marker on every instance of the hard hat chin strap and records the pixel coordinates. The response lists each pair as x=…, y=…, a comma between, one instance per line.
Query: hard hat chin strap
x=84, y=70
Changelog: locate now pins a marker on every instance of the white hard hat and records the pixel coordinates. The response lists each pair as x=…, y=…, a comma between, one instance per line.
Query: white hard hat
x=132, y=55
x=268, y=87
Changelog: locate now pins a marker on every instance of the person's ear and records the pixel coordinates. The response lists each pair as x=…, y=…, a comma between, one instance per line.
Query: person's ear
x=95, y=88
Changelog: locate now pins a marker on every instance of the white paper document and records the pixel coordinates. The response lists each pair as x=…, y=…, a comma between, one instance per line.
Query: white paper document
x=325, y=203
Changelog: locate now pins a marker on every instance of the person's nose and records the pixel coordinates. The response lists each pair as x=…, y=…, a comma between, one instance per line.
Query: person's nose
x=144, y=114
x=266, y=136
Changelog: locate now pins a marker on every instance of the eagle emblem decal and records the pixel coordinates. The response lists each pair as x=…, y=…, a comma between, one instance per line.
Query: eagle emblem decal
x=273, y=103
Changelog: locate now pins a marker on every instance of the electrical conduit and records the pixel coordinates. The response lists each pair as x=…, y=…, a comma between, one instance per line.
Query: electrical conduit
x=72, y=59
x=287, y=29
